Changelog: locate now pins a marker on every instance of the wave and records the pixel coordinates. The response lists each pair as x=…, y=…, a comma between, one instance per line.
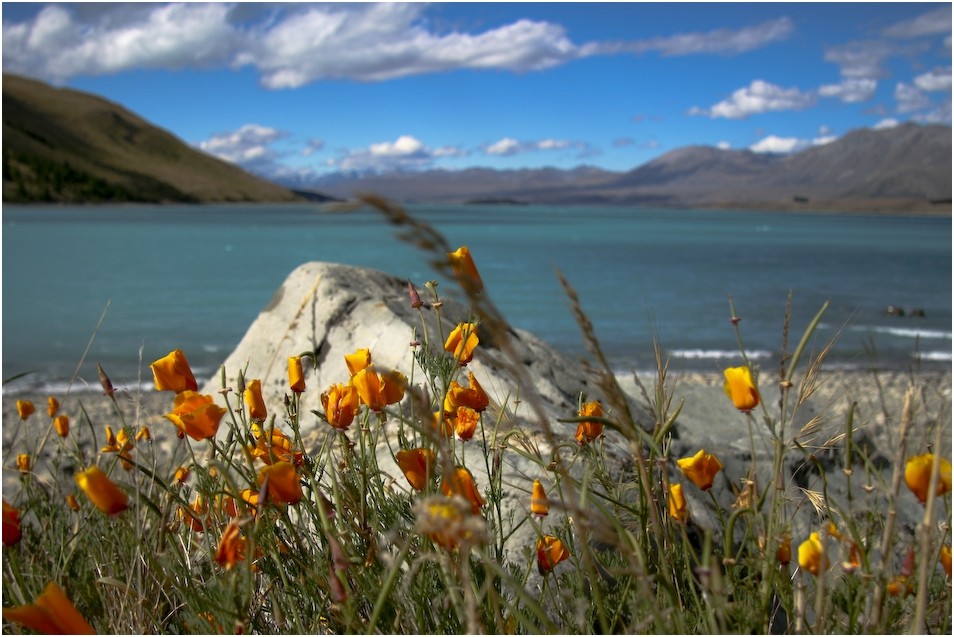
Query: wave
x=939, y=356
x=907, y=332
x=718, y=353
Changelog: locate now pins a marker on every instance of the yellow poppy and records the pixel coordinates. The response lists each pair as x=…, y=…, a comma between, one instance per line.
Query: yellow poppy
x=945, y=556
x=71, y=502
x=447, y=521
x=783, y=553
x=11, y=524
x=51, y=614
x=550, y=552
x=296, y=374
x=279, y=449
x=378, y=391
x=464, y=269
x=341, y=404
x=283, y=483
x=462, y=342
x=97, y=486
x=172, y=373
x=196, y=515
x=917, y=475
x=231, y=548
x=417, y=465
x=182, y=474
x=461, y=482
x=465, y=423
x=357, y=361
x=473, y=396
x=23, y=462
x=25, y=409
x=196, y=415
x=539, y=504
x=62, y=425
x=589, y=430
x=52, y=406
x=701, y=469
x=678, y=510
x=740, y=388
x=811, y=554
x=254, y=402
x=143, y=434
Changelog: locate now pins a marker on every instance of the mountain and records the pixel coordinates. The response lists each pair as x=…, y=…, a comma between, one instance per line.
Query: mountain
x=906, y=168
x=62, y=145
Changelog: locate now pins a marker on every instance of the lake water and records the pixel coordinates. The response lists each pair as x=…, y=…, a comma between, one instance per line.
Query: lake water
x=196, y=277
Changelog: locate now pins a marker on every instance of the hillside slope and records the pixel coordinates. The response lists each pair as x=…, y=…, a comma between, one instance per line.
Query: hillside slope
x=61, y=145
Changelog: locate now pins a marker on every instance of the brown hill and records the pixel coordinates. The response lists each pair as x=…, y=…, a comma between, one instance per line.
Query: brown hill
x=62, y=145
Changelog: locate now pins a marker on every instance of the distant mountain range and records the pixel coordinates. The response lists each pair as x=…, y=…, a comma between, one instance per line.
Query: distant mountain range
x=67, y=146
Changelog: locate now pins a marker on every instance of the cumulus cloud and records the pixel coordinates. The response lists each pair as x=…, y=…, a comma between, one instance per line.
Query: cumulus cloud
x=55, y=45
x=508, y=146
x=861, y=59
x=295, y=44
x=888, y=122
x=933, y=22
x=910, y=98
x=250, y=146
x=775, y=144
x=404, y=153
x=852, y=89
x=758, y=97
x=936, y=80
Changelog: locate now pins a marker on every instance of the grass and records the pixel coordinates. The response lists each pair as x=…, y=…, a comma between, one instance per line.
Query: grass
x=321, y=539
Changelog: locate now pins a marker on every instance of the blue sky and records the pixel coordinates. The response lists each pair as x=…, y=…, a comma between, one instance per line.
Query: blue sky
x=304, y=89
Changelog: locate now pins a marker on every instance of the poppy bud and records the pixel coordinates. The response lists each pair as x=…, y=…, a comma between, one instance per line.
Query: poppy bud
x=416, y=301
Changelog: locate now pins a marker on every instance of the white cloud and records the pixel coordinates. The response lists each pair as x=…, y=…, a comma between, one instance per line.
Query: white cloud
x=758, y=97
x=853, y=89
x=931, y=23
x=910, y=98
x=55, y=46
x=823, y=139
x=724, y=145
x=249, y=146
x=936, y=80
x=863, y=59
x=775, y=144
x=291, y=45
x=404, y=153
x=718, y=41
x=888, y=122
x=508, y=146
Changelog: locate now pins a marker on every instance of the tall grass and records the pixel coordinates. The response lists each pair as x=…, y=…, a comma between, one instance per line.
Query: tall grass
x=252, y=530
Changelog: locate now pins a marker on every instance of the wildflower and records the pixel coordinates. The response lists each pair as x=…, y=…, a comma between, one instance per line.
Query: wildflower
x=250, y=498
x=196, y=414
x=254, y=401
x=677, y=504
x=283, y=483
x=900, y=586
x=740, y=388
x=11, y=524
x=119, y=444
x=182, y=474
x=414, y=297
x=465, y=270
x=280, y=448
x=97, y=486
x=143, y=434
x=25, y=409
x=462, y=342
x=379, y=390
x=833, y=531
x=473, y=396
x=357, y=361
x=465, y=424
x=854, y=559
x=811, y=554
x=341, y=404
x=231, y=548
x=23, y=462
x=417, y=465
x=945, y=556
x=104, y=381
x=461, y=482
x=52, y=406
x=196, y=514
x=550, y=552
x=172, y=373
x=296, y=375
x=917, y=475
x=539, y=505
x=71, y=502
x=783, y=552
x=449, y=523
x=589, y=430
x=701, y=469
x=52, y=614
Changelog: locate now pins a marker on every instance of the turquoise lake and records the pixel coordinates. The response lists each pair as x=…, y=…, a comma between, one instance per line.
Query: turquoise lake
x=196, y=277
